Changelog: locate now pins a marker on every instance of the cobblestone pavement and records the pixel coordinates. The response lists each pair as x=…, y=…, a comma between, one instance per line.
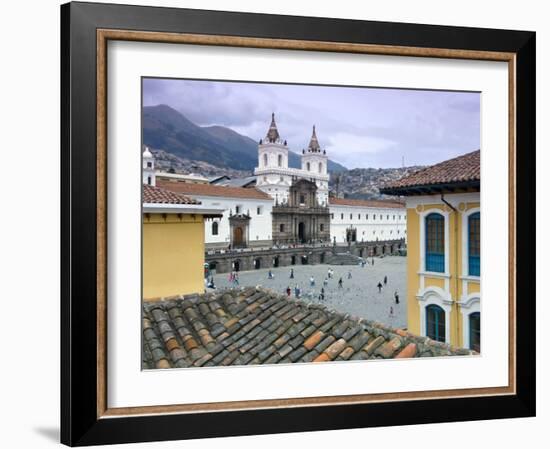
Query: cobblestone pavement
x=359, y=295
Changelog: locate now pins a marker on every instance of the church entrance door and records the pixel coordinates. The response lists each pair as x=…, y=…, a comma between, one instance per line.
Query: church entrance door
x=238, y=239
x=301, y=232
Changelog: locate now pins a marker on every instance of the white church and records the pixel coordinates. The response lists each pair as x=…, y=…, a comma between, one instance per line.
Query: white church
x=247, y=218
x=273, y=175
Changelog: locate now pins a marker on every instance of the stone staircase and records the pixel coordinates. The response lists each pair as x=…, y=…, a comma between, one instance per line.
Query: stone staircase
x=343, y=259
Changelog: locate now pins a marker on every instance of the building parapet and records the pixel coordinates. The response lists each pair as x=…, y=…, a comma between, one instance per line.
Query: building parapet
x=290, y=172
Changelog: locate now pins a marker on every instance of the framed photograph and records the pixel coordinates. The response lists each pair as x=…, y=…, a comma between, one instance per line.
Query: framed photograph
x=280, y=224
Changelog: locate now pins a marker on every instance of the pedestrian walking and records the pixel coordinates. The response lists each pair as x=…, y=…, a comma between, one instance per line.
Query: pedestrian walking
x=385, y=280
x=396, y=296
x=211, y=283
x=288, y=291
x=340, y=283
x=292, y=273
x=322, y=294
x=236, y=278
x=379, y=287
x=297, y=292
x=230, y=277
x=269, y=275
x=312, y=281
x=372, y=262
x=391, y=312
x=325, y=282
x=349, y=274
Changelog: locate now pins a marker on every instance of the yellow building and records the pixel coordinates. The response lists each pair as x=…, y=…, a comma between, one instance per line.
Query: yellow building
x=443, y=250
x=173, y=243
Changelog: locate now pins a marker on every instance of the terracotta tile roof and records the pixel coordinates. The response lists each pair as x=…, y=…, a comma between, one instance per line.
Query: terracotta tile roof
x=460, y=170
x=214, y=190
x=366, y=203
x=257, y=326
x=157, y=195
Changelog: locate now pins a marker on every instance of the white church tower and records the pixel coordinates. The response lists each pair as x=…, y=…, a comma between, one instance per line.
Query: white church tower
x=314, y=160
x=274, y=177
x=148, y=168
x=273, y=174
x=314, y=165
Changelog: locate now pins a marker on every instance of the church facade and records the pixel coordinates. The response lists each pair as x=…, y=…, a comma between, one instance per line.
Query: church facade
x=301, y=219
x=274, y=176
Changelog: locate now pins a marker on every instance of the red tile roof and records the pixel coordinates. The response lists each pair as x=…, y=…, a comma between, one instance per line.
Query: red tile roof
x=214, y=190
x=257, y=326
x=463, y=169
x=157, y=195
x=366, y=203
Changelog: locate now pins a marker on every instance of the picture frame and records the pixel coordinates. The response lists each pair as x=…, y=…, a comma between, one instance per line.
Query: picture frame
x=86, y=28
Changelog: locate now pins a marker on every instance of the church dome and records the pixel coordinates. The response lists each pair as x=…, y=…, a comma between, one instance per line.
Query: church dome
x=273, y=133
x=147, y=153
x=314, y=146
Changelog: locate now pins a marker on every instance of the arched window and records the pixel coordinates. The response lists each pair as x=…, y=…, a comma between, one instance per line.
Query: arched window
x=475, y=335
x=280, y=160
x=320, y=167
x=215, y=228
x=435, y=243
x=435, y=323
x=265, y=160
x=149, y=180
x=308, y=166
x=473, y=244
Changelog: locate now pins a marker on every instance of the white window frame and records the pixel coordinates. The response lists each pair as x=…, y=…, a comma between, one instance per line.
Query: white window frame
x=465, y=245
x=435, y=296
x=422, y=238
x=471, y=304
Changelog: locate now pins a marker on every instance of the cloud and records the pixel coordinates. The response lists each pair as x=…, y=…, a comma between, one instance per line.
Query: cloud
x=356, y=125
x=349, y=149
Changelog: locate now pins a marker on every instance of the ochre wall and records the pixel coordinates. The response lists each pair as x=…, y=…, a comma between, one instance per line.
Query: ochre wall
x=173, y=255
x=455, y=268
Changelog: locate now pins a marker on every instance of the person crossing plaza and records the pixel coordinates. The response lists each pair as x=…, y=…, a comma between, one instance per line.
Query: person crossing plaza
x=363, y=294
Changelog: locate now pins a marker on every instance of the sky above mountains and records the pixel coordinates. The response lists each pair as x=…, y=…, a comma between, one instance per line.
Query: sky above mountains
x=358, y=126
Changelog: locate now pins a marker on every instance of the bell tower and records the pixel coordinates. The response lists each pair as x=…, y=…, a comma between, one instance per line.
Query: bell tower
x=148, y=167
x=272, y=151
x=314, y=160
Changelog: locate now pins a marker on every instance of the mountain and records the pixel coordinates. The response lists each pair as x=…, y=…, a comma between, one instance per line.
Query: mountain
x=167, y=129
x=364, y=183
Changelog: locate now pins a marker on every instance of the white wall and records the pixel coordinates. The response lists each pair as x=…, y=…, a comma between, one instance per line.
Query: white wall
x=259, y=227
x=32, y=408
x=368, y=227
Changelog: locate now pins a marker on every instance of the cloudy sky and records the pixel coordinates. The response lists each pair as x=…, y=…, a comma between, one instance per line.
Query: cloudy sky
x=358, y=126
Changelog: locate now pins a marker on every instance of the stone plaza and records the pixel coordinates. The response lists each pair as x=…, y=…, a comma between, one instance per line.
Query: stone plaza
x=359, y=295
